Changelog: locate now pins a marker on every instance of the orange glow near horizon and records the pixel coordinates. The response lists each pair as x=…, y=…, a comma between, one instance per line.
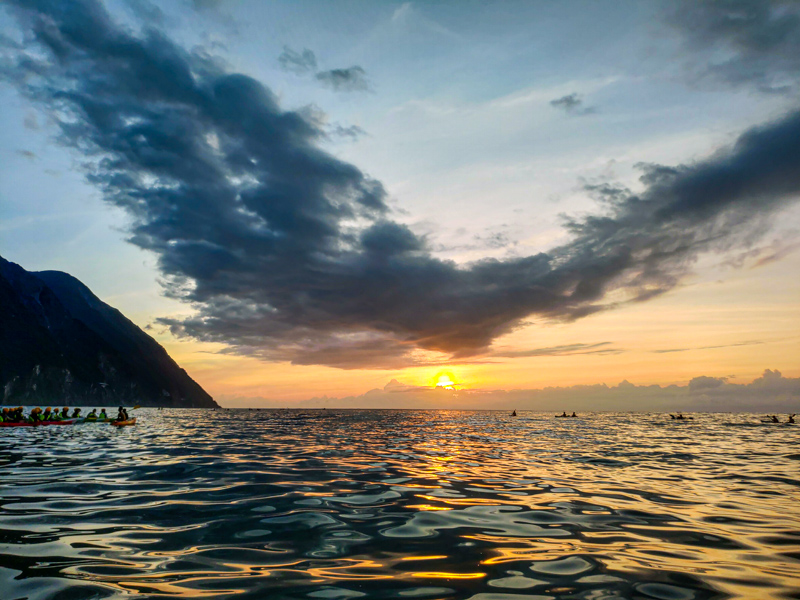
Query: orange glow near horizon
x=716, y=328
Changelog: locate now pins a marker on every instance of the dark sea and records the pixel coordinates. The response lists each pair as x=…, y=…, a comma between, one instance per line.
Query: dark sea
x=399, y=504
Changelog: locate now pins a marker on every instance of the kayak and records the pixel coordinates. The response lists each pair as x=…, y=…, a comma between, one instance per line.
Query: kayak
x=25, y=424
x=85, y=420
x=124, y=423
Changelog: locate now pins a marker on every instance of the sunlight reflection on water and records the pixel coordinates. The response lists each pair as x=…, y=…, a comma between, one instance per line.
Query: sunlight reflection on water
x=401, y=504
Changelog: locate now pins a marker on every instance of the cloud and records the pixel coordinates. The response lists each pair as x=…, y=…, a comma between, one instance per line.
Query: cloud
x=298, y=62
x=769, y=393
x=669, y=350
x=564, y=350
x=779, y=252
x=706, y=383
x=146, y=11
x=289, y=254
x=27, y=154
x=740, y=42
x=206, y=4
x=573, y=104
x=352, y=132
x=353, y=79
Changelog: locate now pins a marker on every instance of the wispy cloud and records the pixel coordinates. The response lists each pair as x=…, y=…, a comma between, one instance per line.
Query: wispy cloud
x=687, y=349
x=353, y=79
x=563, y=350
x=27, y=154
x=573, y=104
x=298, y=62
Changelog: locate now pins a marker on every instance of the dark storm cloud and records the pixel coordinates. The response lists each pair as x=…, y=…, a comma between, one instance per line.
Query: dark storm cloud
x=738, y=42
x=573, y=104
x=290, y=254
x=353, y=79
x=297, y=62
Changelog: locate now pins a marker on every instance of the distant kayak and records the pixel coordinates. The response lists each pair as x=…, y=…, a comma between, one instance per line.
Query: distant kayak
x=124, y=423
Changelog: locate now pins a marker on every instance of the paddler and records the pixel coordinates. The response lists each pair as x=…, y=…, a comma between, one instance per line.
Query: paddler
x=4, y=415
x=92, y=416
x=65, y=413
x=102, y=416
x=122, y=414
x=35, y=416
x=48, y=414
x=76, y=413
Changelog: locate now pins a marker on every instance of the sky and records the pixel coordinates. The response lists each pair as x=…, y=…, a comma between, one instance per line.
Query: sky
x=435, y=203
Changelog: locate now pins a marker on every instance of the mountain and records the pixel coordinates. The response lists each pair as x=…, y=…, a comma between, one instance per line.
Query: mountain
x=61, y=344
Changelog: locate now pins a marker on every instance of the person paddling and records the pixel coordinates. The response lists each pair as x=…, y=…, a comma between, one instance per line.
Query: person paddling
x=76, y=413
x=573, y=414
x=122, y=414
x=791, y=418
x=103, y=416
x=65, y=413
x=92, y=416
x=564, y=414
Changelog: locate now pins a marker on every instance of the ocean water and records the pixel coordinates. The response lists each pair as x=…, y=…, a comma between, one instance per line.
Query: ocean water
x=401, y=504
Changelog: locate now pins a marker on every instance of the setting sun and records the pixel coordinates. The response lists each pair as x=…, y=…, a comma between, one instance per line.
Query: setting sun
x=445, y=381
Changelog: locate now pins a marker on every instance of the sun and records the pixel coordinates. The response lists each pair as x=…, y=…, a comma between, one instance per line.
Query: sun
x=445, y=381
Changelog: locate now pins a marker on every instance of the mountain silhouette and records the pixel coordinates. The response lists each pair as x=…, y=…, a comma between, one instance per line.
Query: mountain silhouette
x=60, y=344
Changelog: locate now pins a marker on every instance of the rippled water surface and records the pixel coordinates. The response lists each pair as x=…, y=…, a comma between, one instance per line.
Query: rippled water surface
x=401, y=504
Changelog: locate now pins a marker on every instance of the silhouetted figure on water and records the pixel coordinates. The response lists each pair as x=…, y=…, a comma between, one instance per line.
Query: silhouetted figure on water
x=513, y=413
x=791, y=418
x=680, y=417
